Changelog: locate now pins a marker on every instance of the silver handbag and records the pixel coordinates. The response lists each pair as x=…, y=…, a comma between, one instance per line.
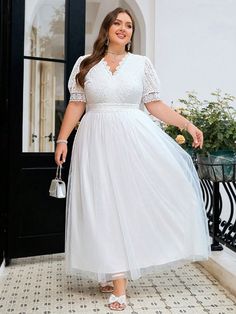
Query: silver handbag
x=58, y=187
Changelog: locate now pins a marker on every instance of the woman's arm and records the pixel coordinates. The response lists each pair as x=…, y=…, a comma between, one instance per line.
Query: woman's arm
x=163, y=112
x=73, y=113
x=71, y=117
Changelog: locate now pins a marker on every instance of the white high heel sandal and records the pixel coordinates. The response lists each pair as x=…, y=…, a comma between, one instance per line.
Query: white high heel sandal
x=120, y=299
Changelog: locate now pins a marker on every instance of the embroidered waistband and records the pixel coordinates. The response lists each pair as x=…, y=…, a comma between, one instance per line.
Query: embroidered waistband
x=111, y=106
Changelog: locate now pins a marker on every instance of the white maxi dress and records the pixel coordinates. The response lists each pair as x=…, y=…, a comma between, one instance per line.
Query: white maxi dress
x=134, y=203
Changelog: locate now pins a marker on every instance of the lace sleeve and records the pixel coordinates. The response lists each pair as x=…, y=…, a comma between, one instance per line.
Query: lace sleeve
x=76, y=91
x=151, y=83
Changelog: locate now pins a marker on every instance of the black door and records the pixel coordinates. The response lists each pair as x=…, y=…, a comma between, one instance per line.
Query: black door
x=44, y=42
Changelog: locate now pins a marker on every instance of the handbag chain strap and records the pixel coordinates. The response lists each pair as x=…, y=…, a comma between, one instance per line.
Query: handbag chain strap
x=58, y=173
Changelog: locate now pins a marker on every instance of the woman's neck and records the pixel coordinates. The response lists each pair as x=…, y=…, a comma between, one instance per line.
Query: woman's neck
x=116, y=49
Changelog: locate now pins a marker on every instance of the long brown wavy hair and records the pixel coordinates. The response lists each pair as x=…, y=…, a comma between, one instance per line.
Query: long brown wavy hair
x=99, y=46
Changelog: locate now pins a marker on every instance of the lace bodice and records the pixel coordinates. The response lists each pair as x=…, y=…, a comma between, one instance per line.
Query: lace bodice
x=134, y=81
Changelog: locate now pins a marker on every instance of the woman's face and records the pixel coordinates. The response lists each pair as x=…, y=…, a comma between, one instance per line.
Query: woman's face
x=121, y=30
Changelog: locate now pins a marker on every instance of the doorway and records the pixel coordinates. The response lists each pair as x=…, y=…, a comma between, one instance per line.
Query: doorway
x=39, y=46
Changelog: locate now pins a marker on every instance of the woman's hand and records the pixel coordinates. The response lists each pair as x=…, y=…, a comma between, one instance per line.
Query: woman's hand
x=60, y=153
x=196, y=134
x=164, y=113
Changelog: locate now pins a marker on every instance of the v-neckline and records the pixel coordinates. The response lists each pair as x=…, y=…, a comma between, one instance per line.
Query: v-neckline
x=118, y=66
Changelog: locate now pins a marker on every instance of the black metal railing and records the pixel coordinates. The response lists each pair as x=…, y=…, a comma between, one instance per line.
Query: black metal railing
x=214, y=179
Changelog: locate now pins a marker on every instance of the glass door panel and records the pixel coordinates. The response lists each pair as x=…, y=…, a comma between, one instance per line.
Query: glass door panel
x=44, y=28
x=44, y=60
x=43, y=104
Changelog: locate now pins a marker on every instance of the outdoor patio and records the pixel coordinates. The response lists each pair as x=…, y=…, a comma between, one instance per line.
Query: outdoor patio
x=39, y=285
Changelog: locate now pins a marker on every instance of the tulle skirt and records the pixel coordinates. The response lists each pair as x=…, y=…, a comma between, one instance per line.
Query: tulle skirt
x=134, y=204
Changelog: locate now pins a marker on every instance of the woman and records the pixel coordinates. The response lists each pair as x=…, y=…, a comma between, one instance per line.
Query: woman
x=134, y=203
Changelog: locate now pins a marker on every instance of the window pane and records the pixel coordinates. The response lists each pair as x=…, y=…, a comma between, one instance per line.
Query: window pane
x=43, y=104
x=45, y=28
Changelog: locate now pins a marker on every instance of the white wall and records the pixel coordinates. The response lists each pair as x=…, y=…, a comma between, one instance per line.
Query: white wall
x=196, y=46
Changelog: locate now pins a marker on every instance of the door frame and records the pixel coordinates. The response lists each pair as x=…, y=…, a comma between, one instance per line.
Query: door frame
x=4, y=92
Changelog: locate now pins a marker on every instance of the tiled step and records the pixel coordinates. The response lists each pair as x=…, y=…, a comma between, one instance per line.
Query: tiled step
x=222, y=265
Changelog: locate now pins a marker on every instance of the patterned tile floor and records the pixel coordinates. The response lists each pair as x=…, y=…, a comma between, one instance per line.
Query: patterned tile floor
x=39, y=285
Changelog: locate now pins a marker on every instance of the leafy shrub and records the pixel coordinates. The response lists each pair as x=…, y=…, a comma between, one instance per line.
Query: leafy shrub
x=216, y=119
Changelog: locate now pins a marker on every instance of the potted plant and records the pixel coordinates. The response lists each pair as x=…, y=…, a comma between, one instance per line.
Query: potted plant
x=216, y=119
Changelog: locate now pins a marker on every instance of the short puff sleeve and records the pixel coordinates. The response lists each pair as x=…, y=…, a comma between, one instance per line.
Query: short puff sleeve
x=77, y=92
x=151, y=83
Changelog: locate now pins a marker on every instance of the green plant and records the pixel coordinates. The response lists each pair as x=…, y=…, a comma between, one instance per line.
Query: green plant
x=216, y=119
